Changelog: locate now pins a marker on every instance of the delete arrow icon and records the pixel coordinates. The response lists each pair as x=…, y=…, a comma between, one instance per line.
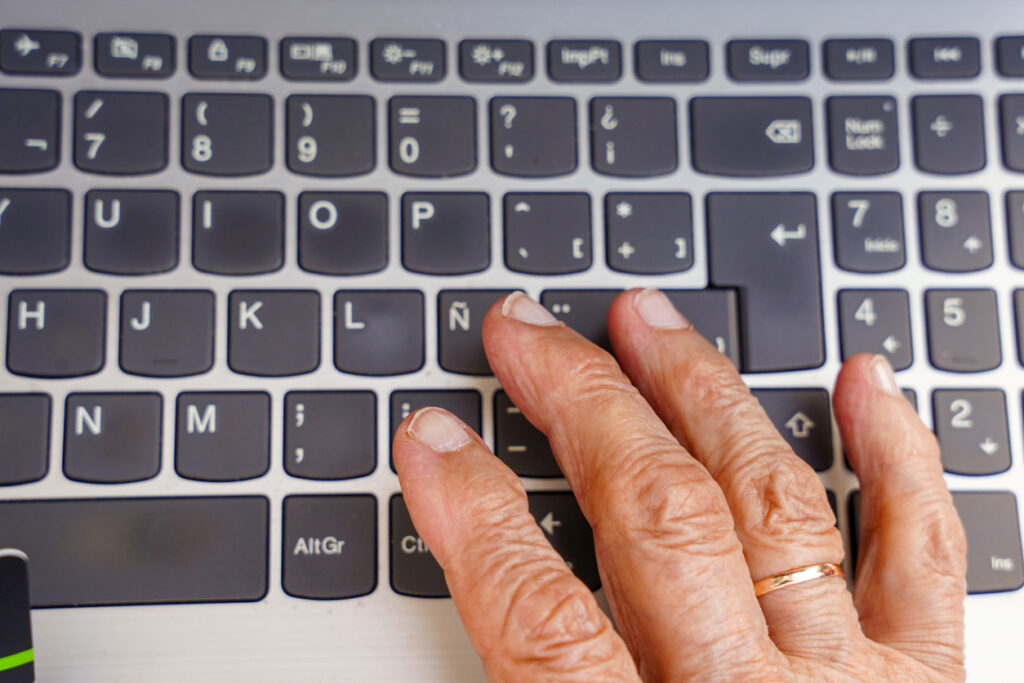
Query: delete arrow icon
x=989, y=446
x=549, y=523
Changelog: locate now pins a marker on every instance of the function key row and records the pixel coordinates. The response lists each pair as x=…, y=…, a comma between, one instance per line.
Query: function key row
x=332, y=58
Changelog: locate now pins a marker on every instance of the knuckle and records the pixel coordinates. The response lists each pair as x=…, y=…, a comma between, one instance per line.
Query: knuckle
x=716, y=385
x=944, y=543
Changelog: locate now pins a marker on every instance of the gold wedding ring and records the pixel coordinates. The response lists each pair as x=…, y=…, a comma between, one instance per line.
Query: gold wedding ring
x=799, y=575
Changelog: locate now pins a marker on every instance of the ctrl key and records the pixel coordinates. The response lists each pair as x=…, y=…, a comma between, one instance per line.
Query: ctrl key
x=994, y=562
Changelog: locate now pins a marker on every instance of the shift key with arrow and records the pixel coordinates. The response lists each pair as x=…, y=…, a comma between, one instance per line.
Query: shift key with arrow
x=568, y=531
x=802, y=417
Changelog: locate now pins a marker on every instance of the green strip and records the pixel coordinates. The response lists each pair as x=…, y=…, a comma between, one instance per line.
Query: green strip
x=16, y=660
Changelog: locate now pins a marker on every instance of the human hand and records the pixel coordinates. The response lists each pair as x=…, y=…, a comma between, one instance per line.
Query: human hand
x=692, y=496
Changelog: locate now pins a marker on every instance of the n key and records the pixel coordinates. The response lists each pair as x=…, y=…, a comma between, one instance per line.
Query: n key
x=112, y=438
x=56, y=333
x=120, y=132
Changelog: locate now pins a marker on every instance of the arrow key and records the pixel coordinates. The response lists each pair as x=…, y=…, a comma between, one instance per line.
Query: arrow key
x=971, y=427
x=802, y=417
x=565, y=527
x=876, y=321
x=956, y=233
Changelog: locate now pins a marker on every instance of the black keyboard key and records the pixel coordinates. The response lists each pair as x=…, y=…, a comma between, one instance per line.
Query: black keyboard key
x=464, y=403
x=1015, y=226
x=131, y=232
x=318, y=59
x=343, y=233
x=584, y=310
x=408, y=59
x=112, y=438
x=496, y=61
x=120, y=133
x=956, y=232
x=135, y=55
x=963, y=329
x=378, y=332
x=766, y=245
x=533, y=137
x=35, y=231
x=331, y=135
x=40, y=53
x=802, y=417
x=1018, y=311
x=166, y=333
x=648, y=233
x=633, y=136
x=547, y=233
x=520, y=445
x=330, y=434
x=274, y=333
x=972, y=430
x=859, y=59
x=990, y=519
x=24, y=437
x=228, y=135
x=671, y=61
x=460, y=317
x=155, y=550
x=751, y=136
x=1012, y=111
x=585, y=61
x=237, y=233
x=876, y=321
x=945, y=57
x=56, y=333
x=227, y=57
x=558, y=515
x=222, y=436
x=769, y=60
x=949, y=134
x=446, y=233
x=863, y=135
x=29, y=130
x=414, y=571
x=433, y=137
x=713, y=313
x=867, y=229
x=1010, y=56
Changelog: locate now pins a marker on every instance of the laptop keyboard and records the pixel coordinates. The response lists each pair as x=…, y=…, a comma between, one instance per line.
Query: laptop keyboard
x=231, y=263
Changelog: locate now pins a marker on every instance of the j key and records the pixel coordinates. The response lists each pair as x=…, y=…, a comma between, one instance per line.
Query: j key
x=876, y=321
x=228, y=57
x=446, y=233
x=343, y=233
x=712, y=312
x=135, y=55
x=463, y=402
x=533, y=137
x=963, y=329
x=496, y=61
x=859, y=59
x=237, y=233
x=956, y=233
x=407, y=59
x=460, y=316
x=752, y=136
x=565, y=527
x=519, y=444
x=972, y=430
x=35, y=230
x=222, y=436
x=584, y=310
x=414, y=571
x=1015, y=223
x=584, y=60
x=769, y=60
x=131, y=232
x=671, y=61
x=863, y=135
x=433, y=137
x=155, y=550
x=648, y=233
x=633, y=136
x=112, y=438
x=331, y=135
x=330, y=546
x=802, y=417
x=43, y=53
x=868, y=231
x=330, y=434
x=1012, y=111
x=378, y=332
x=990, y=519
x=1010, y=55
x=945, y=57
x=274, y=333
x=547, y=233
x=167, y=333
x=29, y=130
x=56, y=333
x=766, y=245
x=949, y=136
x=318, y=59
x=120, y=132
x=227, y=135
x=24, y=437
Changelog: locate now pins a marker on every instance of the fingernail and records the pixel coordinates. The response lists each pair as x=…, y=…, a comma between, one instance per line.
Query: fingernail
x=658, y=312
x=438, y=430
x=520, y=307
x=883, y=377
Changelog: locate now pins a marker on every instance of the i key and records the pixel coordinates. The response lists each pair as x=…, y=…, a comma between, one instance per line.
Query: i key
x=963, y=329
x=29, y=130
x=167, y=333
x=35, y=230
x=222, y=436
x=228, y=135
x=533, y=137
x=56, y=333
x=972, y=430
x=120, y=132
x=331, y=135
x=633, y=136
x=433, y=137
x=274, y=333
x=330, y=434
x=238, y=233
x=131, y=232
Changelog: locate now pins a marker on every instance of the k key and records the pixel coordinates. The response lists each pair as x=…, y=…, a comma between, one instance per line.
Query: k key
x=274, y=333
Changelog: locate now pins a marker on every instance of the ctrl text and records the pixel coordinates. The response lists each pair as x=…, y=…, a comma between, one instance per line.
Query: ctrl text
x=414, y=545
